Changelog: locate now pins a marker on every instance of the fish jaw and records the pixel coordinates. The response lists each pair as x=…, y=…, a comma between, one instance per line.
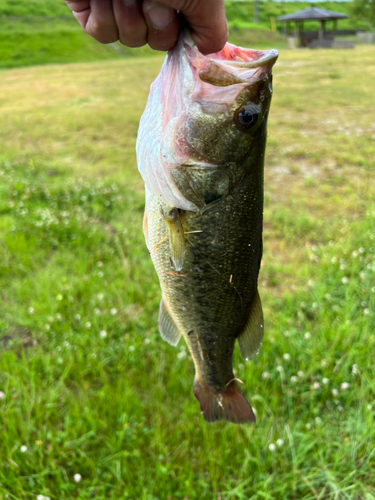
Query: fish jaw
x=189, y=86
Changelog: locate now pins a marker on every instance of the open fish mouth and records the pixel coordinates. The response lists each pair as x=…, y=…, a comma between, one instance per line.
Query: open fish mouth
x=232, y=65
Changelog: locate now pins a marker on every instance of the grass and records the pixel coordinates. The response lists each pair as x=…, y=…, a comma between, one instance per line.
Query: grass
x=86, y=383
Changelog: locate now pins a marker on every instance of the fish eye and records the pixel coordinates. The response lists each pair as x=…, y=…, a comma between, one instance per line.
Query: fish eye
x=247, y=116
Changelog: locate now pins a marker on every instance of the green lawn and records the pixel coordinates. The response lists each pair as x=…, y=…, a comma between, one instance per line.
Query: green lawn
x=88, y=387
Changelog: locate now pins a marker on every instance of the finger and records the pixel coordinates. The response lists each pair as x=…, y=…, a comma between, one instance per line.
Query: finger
x=162, y=25
x=207, y=22
x=96, y=18
x=131, y=24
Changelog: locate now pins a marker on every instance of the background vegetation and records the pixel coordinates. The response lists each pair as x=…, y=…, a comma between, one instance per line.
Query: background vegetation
x=93, y=404
x=39, y=32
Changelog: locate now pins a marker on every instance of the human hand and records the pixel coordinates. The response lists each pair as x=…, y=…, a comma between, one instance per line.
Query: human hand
x=137, y=22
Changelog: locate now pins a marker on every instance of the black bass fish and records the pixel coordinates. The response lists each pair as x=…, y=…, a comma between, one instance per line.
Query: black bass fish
x=200, y=151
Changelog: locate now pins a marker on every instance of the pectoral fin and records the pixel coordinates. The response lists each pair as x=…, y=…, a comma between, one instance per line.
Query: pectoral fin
x=251, y=337
x=167, y=327
x=177, y=241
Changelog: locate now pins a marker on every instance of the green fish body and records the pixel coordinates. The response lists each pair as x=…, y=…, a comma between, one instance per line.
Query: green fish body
x=202, y=161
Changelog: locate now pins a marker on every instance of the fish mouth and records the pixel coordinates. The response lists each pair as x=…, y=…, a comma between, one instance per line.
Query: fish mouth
x=232, y=65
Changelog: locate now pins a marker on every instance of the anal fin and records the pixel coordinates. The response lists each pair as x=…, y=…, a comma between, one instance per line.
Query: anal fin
x=251, y=337
x=167, y=327
x=177, y=241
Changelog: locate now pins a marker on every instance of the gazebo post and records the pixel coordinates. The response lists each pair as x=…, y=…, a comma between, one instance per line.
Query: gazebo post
x=334, y=28
x=322, y=29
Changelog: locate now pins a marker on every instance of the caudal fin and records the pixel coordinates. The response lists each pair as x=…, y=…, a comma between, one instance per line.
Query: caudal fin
x=229, y=404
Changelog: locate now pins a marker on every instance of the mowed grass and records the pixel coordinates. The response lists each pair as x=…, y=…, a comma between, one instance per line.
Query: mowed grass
x=88, y=387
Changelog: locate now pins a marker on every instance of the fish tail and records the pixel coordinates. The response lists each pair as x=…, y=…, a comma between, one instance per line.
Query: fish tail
x=228, y=404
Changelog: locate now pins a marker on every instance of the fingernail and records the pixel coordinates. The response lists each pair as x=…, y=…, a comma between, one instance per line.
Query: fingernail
x=160, y=15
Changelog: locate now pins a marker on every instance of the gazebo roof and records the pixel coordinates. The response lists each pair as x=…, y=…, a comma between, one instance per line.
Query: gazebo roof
x=312, y=14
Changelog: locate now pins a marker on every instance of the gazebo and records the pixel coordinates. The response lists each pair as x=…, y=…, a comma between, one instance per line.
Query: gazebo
x=321, y=38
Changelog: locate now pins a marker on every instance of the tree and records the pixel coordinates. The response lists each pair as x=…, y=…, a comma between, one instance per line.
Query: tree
x=364, y=10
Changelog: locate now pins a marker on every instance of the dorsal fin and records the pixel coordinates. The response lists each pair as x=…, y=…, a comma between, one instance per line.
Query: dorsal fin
x=177, y=242
x=250, y=339
x=167, y=327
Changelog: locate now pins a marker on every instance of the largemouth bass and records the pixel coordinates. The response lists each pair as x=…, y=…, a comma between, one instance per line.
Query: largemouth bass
x=200, y=151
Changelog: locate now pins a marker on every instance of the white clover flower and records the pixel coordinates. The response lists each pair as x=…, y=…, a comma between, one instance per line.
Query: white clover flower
x=2, y=395
x=307, y=335
x=181, y=354
x=58, y=316
x=334, y=260
x=77, y=317
x=344, y=386
x=280, y=443
x=335, y=393
x=42, y=497
x=66, y=343
x=369, y=407
x=99, y=263
x=30, y=310
x=345, y=280
x=308, y=426
x=323, y=362
x=363, y=304
x=342, y=266
x=88, y=324
x=113, y=311
x=361, y=250
x=318, y=420
x=293, y=379
x=316, y=385
x=366, y=311
x=265, y=375
x=286, y=356
x=146, y=341
x=100, y=274
x=77, y=478
x=325, y=380
x=355, y=370
x=47, y=327
x=103, y=334
x=279, y=368
x=286, y=333
x=300, y=373
x=23, y=449
x=272, y=447
x=131, y=348
x=96, y=311
x=100, y=296
x=241, y=366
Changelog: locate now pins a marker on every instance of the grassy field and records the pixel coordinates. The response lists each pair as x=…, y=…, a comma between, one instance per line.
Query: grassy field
x=93, y=404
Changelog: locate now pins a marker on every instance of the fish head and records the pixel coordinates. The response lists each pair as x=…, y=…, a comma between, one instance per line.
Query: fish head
x=211, y=112
x=228, y=109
